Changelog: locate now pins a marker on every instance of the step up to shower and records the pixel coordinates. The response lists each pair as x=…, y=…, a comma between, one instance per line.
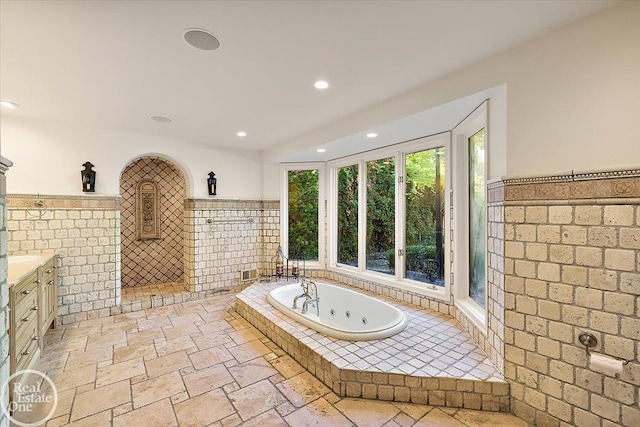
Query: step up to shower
x=153, y=296
x=433, y=361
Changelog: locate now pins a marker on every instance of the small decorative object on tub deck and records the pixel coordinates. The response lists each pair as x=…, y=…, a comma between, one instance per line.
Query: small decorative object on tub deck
x=212, y=184
x=298, y=270
x=278, y=265
x=88, y=178
x=345, y=314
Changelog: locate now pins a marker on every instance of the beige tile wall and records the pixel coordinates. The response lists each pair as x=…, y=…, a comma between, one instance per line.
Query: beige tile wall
x=572, y=265
x=4, y=293
x=159, y=260
x=85, y=232
x=223, y=237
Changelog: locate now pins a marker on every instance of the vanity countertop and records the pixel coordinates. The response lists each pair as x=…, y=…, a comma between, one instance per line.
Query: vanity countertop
x=20, y=266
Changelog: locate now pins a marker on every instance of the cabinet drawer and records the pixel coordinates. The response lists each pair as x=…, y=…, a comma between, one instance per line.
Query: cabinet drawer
x=26, y=325
x=26, y=312
x=26, y=288
x=25, y=335
x=49, y=268
x=28, y=346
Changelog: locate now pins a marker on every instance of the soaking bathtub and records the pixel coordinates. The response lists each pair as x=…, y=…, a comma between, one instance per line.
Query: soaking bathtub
x=344, y=314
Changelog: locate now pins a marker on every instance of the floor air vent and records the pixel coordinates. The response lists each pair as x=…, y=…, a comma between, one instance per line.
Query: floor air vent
x=248, y=275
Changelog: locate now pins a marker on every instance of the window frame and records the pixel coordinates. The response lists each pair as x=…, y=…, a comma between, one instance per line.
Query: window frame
x=284, y=210
x=398, y=151
x=461, y=134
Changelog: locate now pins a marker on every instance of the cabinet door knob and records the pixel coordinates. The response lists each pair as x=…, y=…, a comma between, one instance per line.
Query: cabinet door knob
x=27, y=292
x=35, y=338
x=26, y=353
x=25, y=319
x=37, y=281
x=34, y=308
x=50, y=282
x=48, y=271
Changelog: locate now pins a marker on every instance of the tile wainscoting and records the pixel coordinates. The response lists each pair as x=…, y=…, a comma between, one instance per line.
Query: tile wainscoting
x=572, y=265
x=222, y=237
x=85, y=232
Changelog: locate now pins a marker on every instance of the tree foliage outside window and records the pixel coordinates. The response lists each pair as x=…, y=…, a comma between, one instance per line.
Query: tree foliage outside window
x=303, y=214
x=380, y=214
x=477, y=218
x=424, y=192
x=348, y=215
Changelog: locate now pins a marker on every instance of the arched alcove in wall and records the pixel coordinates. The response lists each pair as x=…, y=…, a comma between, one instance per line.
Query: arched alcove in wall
x=151, y=258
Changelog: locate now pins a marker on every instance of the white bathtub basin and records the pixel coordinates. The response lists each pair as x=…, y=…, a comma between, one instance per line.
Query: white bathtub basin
x=15, y=259
x=344, y=314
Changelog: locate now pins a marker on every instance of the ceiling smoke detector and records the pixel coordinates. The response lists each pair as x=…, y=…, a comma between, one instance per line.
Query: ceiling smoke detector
x=201, y=39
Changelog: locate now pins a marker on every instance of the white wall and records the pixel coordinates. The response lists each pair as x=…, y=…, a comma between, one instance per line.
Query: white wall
x=48, y=158
x=572, y=99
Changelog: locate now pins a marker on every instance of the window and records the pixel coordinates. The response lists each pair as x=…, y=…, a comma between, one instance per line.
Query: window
x=424, y=216
x=387, y=215
x=381, y=179
x=301, y=213
x=347, y=221
x=477, y=218
x=470, y=148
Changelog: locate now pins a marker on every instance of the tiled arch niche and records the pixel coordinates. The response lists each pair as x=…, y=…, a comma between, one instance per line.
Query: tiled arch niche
x=149, y=261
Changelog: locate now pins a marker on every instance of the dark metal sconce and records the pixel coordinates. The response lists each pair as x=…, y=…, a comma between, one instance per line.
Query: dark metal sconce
x=88, y=178
x=212, y=183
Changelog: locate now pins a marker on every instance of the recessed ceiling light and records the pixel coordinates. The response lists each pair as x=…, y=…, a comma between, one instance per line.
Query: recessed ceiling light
x=321, y=150
x=321, y=84
x=241, y=133
x=161, y=119
x=372, y=135
x=9, y=104
x=201, y=39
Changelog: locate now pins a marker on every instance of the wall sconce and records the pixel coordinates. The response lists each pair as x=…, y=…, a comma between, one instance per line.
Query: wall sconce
x=88, y=178
x=212, y=183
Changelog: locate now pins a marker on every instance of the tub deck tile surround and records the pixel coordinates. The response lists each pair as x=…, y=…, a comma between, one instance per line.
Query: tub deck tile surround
x=433, y=361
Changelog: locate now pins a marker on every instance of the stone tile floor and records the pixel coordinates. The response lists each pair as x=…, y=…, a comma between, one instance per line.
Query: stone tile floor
x=200, y=364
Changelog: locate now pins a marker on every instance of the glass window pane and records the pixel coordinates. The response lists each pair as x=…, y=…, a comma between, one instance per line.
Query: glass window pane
x=348, y=215
x=424, y=192
x=477, y=220
x=381, y=215
x=303, y=214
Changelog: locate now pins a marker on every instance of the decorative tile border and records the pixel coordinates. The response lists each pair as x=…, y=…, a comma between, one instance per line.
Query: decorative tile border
x=597, y=185
x=225, y=204
x=26, y=201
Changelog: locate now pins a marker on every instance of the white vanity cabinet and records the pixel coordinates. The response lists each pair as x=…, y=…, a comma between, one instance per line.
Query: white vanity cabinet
x=33, y=307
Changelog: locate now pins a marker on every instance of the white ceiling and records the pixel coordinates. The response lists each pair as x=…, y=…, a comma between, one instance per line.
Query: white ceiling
x=112, y=64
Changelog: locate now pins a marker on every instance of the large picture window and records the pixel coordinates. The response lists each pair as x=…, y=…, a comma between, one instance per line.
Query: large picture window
x=477, y=218
x=381, y=178
x=302, y=213
x=470, y=143
x=347, y=215
x=388, y=219
x=424, y=216
x=391, y=214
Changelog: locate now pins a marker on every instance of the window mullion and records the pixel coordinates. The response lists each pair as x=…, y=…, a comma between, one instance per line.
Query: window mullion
x=362, y=216
x=400, y=249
